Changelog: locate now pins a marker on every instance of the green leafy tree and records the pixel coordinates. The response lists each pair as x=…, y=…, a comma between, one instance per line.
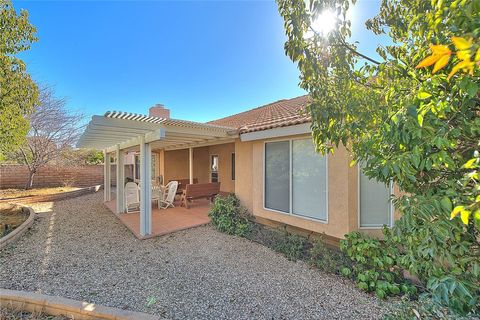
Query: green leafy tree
x=412, y=116
x=94, y=157
x=18, y=92
x=71, y=156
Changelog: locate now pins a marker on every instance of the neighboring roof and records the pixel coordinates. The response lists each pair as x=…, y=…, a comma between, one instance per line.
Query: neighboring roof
x=281, y=113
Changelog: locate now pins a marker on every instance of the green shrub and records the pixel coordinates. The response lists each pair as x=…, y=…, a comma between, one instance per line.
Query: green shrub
x=444, y=254
x=374, y=266
x=229, y=216
x=266, y=236
x=328, y=259
x=455, y=293
x=424, y=308
x=293, y=246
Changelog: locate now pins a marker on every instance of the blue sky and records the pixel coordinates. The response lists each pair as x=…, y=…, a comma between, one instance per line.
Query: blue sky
x=202, y=60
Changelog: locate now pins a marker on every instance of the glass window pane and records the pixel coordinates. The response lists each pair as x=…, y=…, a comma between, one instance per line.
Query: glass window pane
x=374, y=203
x=309, y=180
x=277, y=172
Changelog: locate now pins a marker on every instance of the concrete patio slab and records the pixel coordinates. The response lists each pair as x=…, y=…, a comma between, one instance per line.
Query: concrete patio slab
x=165, y=221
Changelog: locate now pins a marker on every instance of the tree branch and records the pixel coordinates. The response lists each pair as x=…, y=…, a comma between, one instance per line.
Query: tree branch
x=345, y=45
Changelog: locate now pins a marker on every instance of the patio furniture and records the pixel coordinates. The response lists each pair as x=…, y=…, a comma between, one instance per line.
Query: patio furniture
x=132, y=197
x=182, y=183
x=169, y=195
x=157, y=192
x=199, y=190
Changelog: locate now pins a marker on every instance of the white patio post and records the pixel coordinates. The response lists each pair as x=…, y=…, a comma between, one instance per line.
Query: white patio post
x=107, y=196
x=120, y=154
x=190, y=164
x=145, y=188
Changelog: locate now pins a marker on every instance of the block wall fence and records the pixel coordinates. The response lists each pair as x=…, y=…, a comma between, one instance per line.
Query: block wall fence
x=16, y=176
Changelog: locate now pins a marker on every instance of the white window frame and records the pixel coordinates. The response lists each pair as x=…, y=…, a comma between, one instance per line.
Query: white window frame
x=290, y=140
x=391, y=206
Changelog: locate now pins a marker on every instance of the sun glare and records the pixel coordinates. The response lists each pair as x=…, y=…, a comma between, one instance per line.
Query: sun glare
x=325, y=22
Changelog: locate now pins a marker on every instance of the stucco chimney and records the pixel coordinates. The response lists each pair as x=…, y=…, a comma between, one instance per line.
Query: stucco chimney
x=159, y=111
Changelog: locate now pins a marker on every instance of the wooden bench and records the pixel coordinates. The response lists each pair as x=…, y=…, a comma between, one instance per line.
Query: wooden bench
x=199, y=190
x=182, y=183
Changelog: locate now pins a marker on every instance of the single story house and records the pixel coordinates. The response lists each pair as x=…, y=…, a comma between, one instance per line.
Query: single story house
x=265, y=156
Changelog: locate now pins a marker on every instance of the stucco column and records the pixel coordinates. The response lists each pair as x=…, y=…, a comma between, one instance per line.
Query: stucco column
x=145, y=188
x=107, y=196
x=120, y=154
x=190, y=164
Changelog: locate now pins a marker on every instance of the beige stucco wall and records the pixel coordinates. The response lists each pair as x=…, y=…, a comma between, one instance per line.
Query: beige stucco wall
x=176, y=164
x=244, y=173
x=201, y=162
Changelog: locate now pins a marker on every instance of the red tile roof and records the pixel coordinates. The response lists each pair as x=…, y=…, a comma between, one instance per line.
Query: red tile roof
x=281, y=113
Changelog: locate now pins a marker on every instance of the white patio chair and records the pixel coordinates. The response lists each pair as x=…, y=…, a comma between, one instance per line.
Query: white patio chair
x=157, y=192
x=169, y=195
x=132, y=197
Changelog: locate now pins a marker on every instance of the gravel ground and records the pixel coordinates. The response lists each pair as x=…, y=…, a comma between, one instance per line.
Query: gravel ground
x=80, y=250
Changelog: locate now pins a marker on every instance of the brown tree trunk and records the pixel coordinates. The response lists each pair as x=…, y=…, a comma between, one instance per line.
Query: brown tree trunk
x=29, y=184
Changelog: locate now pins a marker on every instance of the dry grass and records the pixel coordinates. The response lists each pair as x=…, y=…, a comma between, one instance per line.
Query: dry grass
x=7, y=314
x=16, y=193
x=11, y=216
x=8, y=209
